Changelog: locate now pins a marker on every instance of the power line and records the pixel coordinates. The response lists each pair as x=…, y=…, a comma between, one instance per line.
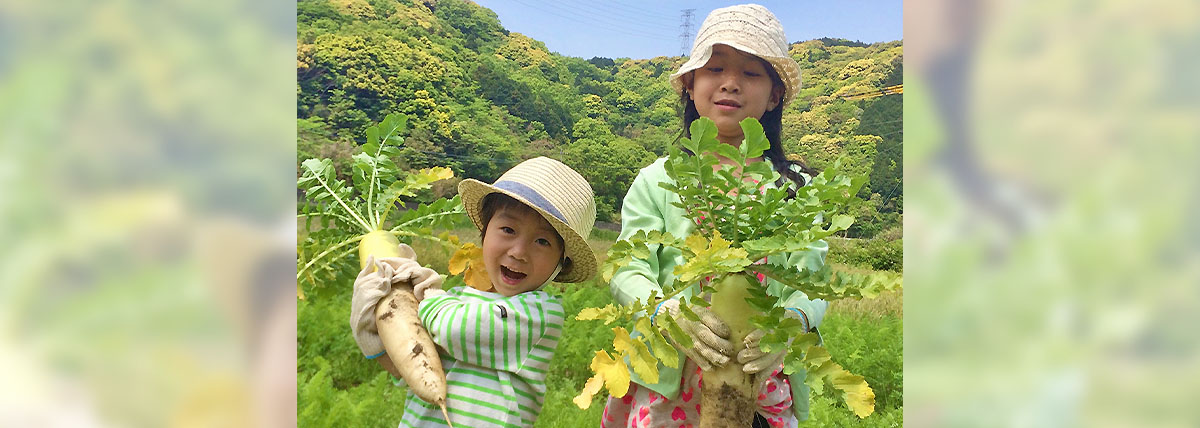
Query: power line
x=860, y=124
x=619, y=17
x=506, y=162
x=574, y=16
x=890, y=90
x=623, y=17
x=641, y=9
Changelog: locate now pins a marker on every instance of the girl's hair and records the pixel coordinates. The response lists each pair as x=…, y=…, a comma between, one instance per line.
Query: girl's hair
x=772, y=123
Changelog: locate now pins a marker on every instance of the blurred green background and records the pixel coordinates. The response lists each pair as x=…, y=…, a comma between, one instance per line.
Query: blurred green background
x=147, y=213
x=1052, y=270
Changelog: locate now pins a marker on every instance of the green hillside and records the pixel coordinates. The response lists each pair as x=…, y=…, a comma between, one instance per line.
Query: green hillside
x=481, y=98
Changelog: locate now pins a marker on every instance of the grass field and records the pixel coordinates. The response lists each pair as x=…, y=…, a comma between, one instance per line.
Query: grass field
x=338, y=387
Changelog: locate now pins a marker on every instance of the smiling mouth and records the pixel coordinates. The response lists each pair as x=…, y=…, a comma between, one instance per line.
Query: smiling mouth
x=511, y=276
x=728, y=103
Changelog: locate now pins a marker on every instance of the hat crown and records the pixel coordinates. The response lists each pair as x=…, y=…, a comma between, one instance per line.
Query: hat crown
x=748, y=25
x=556, y=188
x=749, y=28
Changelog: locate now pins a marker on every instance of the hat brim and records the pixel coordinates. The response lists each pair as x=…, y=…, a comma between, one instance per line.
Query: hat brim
x=583, y=259
x=787, y=68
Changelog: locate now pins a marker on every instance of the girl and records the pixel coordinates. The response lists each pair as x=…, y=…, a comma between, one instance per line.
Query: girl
x=739, y=68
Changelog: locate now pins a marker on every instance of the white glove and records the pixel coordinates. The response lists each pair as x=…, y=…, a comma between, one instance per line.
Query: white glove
x=430, y=292
x=710, y=336
x=406, y=269
x=374, y=282
x=761, y=364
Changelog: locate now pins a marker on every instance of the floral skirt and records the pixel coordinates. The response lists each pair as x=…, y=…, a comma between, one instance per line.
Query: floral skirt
x=643, y=408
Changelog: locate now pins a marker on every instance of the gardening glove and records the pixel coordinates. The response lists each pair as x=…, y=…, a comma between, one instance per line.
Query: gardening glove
x=406, y=269
x=374, y=282
x=761, y=364
x=710, y=336
x=430, y=292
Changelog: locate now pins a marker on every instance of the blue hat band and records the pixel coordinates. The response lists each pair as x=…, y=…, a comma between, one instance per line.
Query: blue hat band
x=531, y=196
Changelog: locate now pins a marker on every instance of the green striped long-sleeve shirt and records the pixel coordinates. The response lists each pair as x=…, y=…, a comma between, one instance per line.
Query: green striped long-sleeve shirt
x=497, y=352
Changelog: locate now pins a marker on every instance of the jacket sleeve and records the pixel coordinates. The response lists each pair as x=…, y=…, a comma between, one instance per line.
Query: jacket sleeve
x=639, y=211
x=813, y=310
x=512, y=334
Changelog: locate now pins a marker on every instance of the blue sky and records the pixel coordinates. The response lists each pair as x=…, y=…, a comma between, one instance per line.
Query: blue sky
x=650, y=28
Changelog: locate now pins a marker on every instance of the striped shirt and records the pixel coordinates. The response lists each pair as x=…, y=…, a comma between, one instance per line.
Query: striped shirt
x=496, y=353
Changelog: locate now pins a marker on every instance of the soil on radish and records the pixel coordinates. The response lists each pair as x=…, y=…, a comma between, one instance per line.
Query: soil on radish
x=726, y=402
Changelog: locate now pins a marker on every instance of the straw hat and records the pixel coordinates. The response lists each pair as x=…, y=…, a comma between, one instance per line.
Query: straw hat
x=749, y=28
x=559, y=194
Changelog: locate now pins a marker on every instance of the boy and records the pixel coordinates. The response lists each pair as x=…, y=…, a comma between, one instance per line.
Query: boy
x=496, y=345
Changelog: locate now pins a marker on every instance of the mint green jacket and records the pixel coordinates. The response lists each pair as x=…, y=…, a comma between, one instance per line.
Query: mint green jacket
x=648, y=207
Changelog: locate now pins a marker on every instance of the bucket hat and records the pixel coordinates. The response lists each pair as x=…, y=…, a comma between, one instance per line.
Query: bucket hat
x=562, y=196
x=749, y=28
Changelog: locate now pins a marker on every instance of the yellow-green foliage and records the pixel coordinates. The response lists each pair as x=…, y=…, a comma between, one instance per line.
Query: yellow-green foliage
x=482, y=98
x=338, y=387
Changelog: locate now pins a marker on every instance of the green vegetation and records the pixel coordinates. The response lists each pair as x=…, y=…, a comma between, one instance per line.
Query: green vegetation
x=880, y=253
x=359, y=213
x=480, y=99
x=338, y=387
x=737, y=224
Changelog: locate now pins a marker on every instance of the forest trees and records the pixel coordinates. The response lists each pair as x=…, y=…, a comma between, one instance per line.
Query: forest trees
x=481, y=99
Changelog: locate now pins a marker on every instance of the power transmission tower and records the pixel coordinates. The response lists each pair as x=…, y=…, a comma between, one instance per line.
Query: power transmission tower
x=685, y=31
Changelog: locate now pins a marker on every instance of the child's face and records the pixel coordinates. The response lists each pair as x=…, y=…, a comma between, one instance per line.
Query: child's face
x=732, y=86
x=520, y=251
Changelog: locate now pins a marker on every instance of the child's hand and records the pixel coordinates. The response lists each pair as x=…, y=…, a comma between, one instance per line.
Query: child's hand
x=756, y=362
x=430, y=292
x=710, y=336
x=406, y=269
x=373, y=283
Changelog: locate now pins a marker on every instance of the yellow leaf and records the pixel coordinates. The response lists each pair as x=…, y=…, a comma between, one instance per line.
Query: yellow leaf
x=858, y=395
x=446, y=236
x=816, y=355
x=663, y=350
x=644, y=364
x=817, y=375
x=697, y=243
x=440, y=173
x=468, y=260
x=588, y=314
x=710, y=258
x=458, y=261
x=584, y=399
x=608, y=314
x=477, y=278
x=855, y=391
x=718, y=243
x=614, y=373
x=622, y=342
